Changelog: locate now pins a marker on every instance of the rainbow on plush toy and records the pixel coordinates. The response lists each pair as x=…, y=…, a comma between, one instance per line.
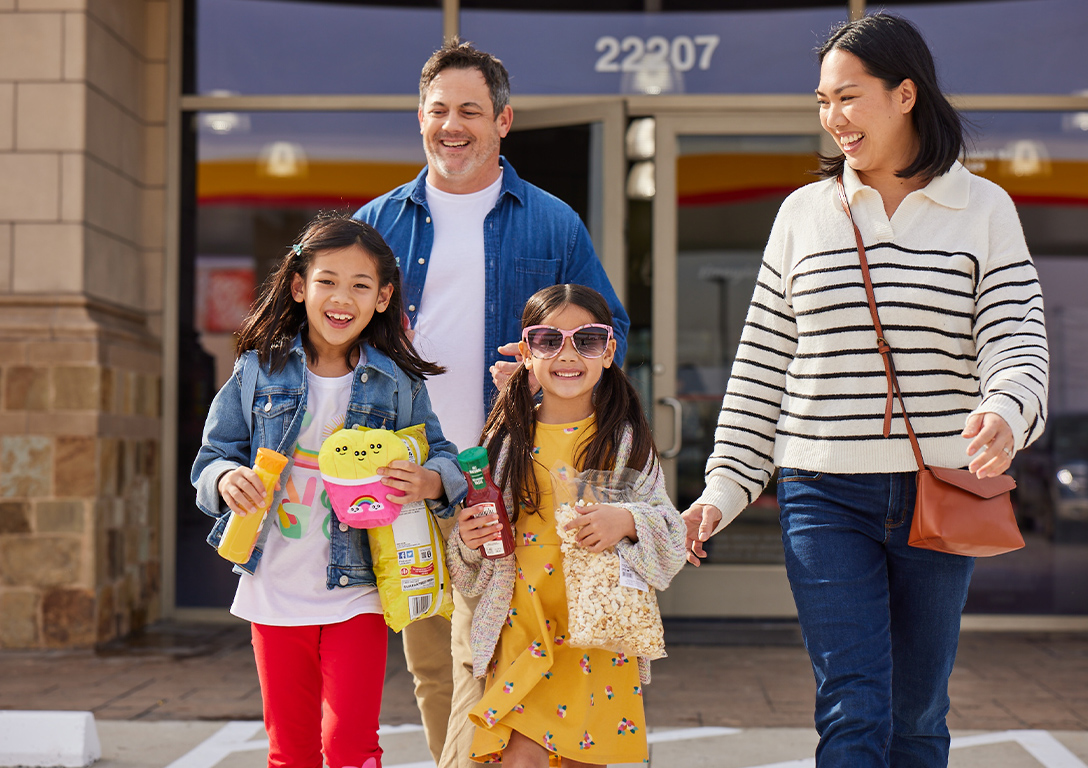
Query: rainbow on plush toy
x=367, y=503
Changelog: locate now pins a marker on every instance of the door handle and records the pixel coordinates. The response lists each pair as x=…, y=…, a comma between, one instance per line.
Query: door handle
x=677, y=427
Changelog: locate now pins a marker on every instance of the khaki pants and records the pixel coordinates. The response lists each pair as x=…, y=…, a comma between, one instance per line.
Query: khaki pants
x=439, y=657
x=467, y=690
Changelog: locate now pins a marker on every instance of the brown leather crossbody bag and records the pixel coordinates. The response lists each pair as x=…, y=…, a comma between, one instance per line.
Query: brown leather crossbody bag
x=954, y=511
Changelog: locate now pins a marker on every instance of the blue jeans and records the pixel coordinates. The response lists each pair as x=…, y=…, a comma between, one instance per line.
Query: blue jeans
x=880, y=619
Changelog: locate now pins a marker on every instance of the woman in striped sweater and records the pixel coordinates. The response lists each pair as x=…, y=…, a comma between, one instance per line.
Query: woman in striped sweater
x=960, y=305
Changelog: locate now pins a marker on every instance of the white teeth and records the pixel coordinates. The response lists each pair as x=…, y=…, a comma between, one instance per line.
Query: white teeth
x=338, y=317
x=850, y=138
x=568, y=375
x=455, y=144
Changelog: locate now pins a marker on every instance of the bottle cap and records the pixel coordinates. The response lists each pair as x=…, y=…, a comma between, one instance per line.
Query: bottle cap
x=472, y=458
x=270, y=461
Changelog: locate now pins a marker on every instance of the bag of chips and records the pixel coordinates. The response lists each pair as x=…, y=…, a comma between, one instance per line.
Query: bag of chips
x=409, y=555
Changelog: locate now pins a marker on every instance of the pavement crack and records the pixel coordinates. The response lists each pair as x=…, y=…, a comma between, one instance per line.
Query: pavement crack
x=134, y=689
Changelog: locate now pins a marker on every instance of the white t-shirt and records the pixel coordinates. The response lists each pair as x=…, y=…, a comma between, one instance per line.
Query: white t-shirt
x=450, y=325
x=288, y=587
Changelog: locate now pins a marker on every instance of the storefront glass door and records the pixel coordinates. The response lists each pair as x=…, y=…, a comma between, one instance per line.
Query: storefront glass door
x=720, y=181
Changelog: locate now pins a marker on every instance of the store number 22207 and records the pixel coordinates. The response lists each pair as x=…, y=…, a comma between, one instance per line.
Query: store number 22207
x=633, y=54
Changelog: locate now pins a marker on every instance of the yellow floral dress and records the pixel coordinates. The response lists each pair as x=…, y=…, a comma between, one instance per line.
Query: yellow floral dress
x=583, y=704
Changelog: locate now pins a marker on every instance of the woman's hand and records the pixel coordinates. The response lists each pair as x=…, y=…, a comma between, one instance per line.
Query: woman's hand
x=993, y=445
x=700, y=521
x=414, y=482
x=477, y=528
x=600, y=526
x=243, y=490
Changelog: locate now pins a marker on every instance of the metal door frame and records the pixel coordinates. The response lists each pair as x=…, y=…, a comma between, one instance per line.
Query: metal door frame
x=758, y=591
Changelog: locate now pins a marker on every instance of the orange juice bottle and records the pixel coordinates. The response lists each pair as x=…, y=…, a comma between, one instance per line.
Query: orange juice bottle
x=241, y=534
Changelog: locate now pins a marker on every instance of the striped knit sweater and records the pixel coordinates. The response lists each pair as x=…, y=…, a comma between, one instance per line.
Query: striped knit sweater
x=960, y=305
x=657, y=556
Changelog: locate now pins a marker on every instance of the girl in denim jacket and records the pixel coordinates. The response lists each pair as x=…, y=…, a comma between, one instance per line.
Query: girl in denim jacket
x=330, y=352
x=544, y=697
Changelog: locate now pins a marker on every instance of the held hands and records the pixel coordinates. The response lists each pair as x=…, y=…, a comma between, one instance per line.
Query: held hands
x=600, y=526
x=502, y=370
x=993, y=445
x=477, y=529
x=243, y=491
x=415, y=483
x=700, y=520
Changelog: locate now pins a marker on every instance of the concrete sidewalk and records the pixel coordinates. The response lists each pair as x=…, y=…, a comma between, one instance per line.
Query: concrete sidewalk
x=1020, y=699
x=238, y=744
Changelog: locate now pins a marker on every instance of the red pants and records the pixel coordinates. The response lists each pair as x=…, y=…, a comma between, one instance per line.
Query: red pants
x=340, y=667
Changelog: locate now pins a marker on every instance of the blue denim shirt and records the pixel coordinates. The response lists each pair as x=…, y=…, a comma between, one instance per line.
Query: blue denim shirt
x=532, y=240
x=279, y=404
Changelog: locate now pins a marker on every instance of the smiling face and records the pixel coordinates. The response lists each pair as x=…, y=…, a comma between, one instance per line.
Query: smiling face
x=341, y=292
x=461, y=132
x=871, y=124
x=567, y=379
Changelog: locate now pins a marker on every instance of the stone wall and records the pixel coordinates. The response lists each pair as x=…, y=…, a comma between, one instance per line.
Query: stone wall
x=82, y=180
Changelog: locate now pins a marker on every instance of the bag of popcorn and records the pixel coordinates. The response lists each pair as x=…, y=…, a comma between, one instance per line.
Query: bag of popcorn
x=609, y=606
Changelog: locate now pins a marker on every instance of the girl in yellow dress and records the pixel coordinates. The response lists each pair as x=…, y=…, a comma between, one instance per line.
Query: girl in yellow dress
x=545, y=700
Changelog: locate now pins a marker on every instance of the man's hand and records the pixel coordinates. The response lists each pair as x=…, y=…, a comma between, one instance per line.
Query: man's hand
x=700, y=520
x=502, y=370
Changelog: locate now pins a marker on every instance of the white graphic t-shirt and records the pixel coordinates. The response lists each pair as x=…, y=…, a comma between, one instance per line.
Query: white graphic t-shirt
x=288, y=587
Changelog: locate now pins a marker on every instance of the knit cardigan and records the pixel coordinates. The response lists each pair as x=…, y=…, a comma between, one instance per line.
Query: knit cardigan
x=960, y=305
x=657, y=556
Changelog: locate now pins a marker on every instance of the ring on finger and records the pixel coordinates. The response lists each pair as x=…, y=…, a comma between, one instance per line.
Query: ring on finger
x=1007, y=452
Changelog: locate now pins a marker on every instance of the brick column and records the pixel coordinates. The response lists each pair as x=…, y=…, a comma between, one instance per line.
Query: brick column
x=82, y=116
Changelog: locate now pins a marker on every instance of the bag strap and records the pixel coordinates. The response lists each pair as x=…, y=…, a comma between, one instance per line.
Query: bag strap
x=250, y=366
x=404, y=399
x=882, y=345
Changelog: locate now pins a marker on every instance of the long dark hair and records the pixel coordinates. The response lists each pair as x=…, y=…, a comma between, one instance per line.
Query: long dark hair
x=892, y=49
x=615, y=403
x=276, y=317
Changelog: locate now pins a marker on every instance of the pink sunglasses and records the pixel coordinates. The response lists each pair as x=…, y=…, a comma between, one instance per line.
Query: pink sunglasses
x=590, y=340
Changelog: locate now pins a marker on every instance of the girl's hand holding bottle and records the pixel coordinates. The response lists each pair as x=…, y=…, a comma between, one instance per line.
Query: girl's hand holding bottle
x=478, y=527
x=600, y=526
x=415, y=483
x=243, y=491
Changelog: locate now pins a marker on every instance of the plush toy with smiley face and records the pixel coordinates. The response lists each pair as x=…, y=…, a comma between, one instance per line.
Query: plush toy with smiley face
x=353, y=454
x=349, y=460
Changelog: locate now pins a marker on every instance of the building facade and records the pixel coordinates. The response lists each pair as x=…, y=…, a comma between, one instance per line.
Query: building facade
x=83, y=158
x=156, y=157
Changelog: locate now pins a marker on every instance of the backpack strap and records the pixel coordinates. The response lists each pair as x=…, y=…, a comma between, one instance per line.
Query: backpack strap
x=404, y=399
x=250, y=366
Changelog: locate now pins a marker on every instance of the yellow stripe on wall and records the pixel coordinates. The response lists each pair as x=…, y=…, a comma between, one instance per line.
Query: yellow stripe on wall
x=701, y=179
x=242, y=180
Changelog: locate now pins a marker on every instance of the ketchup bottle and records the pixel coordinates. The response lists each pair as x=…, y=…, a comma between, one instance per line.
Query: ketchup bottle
x=483, y=492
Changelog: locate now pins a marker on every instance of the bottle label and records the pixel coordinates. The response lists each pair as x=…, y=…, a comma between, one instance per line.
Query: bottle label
x=495, y=546
x=476, y=477
x=486, y=508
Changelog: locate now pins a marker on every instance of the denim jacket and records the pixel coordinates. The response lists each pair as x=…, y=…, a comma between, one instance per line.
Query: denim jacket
x=532, y=240
x=279, y=404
